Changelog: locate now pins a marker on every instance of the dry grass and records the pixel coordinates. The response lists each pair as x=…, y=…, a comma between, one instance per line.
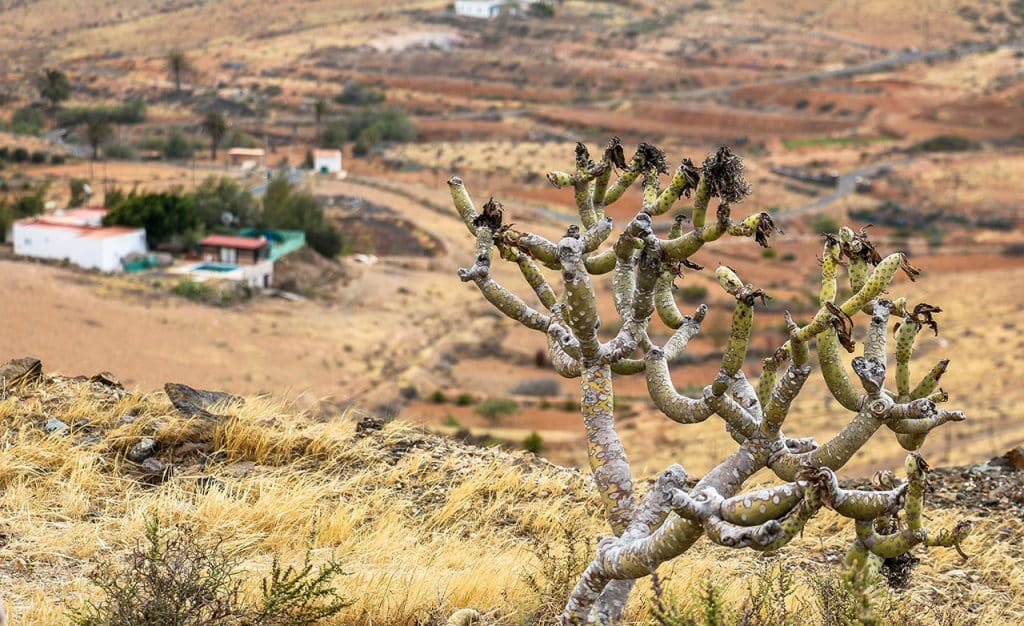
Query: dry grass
x=424, y=525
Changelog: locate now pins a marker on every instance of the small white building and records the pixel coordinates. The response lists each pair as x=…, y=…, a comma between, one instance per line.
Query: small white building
x=486, y=8
x=78, y=236
x=247, y=158
x=327, y=161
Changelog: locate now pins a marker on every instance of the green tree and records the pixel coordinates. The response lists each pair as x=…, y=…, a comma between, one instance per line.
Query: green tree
x=178, y=146
x=319, y=110
x=285, y=206
x=97, y=131
x=215, y=127
x=218, y=195
x=177, y=64
x=54, y=87
x=78, y=195
x=163, y=215
x=24, y=206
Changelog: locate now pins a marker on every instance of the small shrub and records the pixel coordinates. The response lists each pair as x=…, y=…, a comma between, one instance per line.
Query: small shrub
x=27, y=121
x=945, y=143
x=19, y=155
x=197, y=292
x=131, y=111
x=1014, y=249
x=464, y=399
x=824, y=224
x=355, y=92
x=38, y=157
x=560, y=559
x=533, y=443
x=537, y=387
x=451, y=421
x=495, y=408
x=693, y=293
x=116, y=150
x=788, y=257
x=570, y=405
x=174, y=579
x=57, y=159
x=768, y=253
x=438, y=397
x=178, y=146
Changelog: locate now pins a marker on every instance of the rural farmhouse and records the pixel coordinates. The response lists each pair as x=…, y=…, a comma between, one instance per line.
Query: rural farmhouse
x=78, y=236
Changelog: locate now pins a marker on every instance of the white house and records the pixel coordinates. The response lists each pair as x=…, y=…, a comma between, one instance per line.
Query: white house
x=247, y=158
x=485, y=8
x=78, y=236
x=327, y=161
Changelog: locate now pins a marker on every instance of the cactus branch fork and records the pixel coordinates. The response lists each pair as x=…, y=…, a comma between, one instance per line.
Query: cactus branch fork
x=645, y=532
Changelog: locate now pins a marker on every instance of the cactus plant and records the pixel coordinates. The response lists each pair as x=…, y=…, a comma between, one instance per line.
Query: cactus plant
x=670, y=518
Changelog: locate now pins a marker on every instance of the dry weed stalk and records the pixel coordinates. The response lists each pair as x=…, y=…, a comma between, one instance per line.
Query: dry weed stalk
x=669, y=519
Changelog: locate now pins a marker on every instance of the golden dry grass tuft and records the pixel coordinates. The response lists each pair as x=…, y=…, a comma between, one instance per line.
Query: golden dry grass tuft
x=424, y=525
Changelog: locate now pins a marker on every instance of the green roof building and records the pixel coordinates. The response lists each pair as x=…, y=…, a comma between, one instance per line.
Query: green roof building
x=282, y=242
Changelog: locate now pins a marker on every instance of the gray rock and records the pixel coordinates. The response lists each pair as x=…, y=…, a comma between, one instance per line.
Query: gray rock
x=54, y=425
x=142, y=450
x=154, y=465
x=20, y=371
x=198, y=402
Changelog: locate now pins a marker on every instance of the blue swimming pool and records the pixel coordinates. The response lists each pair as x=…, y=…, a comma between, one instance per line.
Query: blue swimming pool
x=215, y=267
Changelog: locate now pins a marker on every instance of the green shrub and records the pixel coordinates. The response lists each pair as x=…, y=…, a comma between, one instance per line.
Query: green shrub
x=945, y=143
x=117, y=150
x=788, y=257
x=451, y=421
x=533, y=443
x=326, y=239
x=57, y=159
x=38, y=157
x=495, y=408
x=27, y=121
x=19, y=155
x=355, y=92
x=693, y=293
x=197, y=292
x=768, y=253
x=824, y=224
x=438, y=397
x=369, y=127
x=131, y=111
x=178, y=146
x=464, y=399
x=172, y=578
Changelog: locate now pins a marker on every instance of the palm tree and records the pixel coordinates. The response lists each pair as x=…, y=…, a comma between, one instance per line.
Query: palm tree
x=216, y=127
x=178, y=64
x=319, y=110
x=53, y=86
x=97, y=130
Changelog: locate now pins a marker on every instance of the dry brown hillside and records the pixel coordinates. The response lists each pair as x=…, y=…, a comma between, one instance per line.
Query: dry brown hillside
x=423, y=524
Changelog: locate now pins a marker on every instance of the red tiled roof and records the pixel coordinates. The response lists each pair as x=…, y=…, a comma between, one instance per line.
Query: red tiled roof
x=84, y=231
x=230, y=241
